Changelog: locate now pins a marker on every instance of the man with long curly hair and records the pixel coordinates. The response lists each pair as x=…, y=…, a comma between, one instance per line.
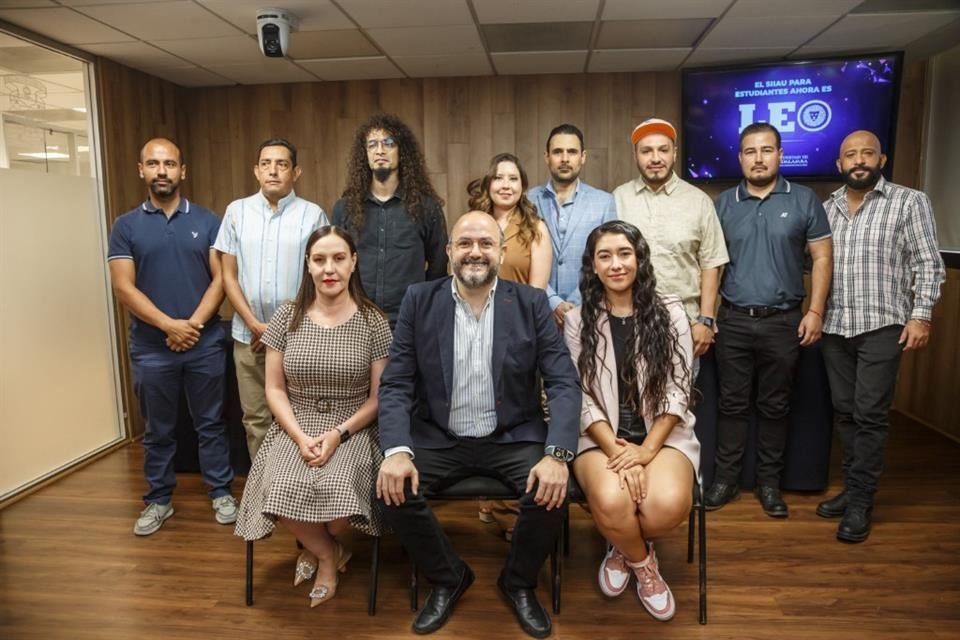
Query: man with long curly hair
x=392, y=210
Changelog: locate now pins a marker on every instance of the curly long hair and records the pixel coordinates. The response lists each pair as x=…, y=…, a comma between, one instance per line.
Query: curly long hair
x=308, y=290
x=415, y=187
x=654, y=342
x=479, y=192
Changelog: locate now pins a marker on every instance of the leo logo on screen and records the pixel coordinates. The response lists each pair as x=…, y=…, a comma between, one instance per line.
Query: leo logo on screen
x=812, y=115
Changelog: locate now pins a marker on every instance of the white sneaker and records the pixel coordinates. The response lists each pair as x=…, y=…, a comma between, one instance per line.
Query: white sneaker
x=614, y=575
x=654, y=594
x=152, y=518
x=226, y=509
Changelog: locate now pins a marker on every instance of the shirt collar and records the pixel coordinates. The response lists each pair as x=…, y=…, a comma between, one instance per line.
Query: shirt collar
x=782, y=186
x=669, y=186
x=284, y=201
x=182, y=207
x=458, y=298
x=398, y=194
x=882, y=188
x=576, y=190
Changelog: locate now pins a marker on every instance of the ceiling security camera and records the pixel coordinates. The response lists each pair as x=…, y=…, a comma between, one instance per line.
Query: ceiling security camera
x=273, y=31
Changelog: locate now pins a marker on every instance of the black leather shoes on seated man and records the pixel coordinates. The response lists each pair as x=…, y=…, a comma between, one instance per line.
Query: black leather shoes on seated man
x=719, y=494
x=834, y=507
x=439, y=604
x=855, y=525
x=772, y=502
x=531, y=616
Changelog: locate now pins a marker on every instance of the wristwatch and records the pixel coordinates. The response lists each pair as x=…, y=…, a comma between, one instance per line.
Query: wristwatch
x=344, y=434
x=705, y=321
x=561, y=454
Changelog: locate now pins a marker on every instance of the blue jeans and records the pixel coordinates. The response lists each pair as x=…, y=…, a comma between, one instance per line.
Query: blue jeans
x=159, y=375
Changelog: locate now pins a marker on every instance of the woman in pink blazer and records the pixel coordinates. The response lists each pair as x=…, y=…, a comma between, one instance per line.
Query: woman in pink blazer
x=638, y=455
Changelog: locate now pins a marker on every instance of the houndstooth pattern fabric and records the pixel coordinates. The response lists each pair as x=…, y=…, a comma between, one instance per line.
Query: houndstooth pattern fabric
x=328, y=378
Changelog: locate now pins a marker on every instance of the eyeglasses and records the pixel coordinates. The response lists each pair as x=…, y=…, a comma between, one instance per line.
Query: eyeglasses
x=387, y=143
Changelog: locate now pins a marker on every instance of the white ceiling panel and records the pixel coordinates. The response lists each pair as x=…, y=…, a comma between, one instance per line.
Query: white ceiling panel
x=531, y=62
x=628, y=60
x=428, y=41
x=183, y=18
x=663, y=9
x=763, y=32
x=444, y=66
x=25, y=4
x=63, y=25
x=205, y=52
x=81, y=3
x=313, y=15
x=264, y=72
x=330, y=44
x=136, y=55
x=511, y=11
x=378, y=14
x=370, y=68
x=786, y=8
x=191, y=77
x=704, y=56
x=883, y=30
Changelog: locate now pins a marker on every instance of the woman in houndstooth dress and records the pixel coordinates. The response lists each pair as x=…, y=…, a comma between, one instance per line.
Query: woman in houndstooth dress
x=317, y=466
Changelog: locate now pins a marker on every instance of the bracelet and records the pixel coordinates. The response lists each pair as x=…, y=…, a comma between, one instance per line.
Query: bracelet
x=816, y=313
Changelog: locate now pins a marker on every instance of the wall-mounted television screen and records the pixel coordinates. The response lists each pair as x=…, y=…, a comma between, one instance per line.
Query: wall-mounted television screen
x=813, y=103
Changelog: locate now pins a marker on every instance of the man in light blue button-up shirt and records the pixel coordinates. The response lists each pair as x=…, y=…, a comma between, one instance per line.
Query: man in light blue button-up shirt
x=262, y=242
x=571, y=210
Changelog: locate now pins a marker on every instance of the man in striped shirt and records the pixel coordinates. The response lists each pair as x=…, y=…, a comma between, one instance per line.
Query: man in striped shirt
x=262, y=242
x=887, y=278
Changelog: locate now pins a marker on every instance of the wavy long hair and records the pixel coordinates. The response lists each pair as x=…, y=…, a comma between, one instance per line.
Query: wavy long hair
x=414, y=189
x=307, y=293
x=654, y=342
x=479, y=198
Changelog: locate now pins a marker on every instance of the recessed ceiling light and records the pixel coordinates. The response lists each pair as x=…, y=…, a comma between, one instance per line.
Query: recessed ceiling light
x=80, y=109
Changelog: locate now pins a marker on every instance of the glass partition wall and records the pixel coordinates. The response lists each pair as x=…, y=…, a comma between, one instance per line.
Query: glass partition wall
x=59, y=380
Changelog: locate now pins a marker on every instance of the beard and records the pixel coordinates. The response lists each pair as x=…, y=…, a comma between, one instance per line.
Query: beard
x=873, y=175
x=564, y=179
x=656, y=182
x=382, y=174
x=164, y=190
x=475, y=281
x=761, y=181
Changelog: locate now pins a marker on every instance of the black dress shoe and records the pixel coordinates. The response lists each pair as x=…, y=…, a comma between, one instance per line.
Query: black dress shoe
x=855, y=525
x=833, y=507
x=719, y=494
x=439, y=604
x=532, y=617
x=772, y=502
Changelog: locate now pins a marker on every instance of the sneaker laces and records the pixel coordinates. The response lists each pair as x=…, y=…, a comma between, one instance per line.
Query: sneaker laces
x=649, y=577
x=224, y=501
x=153, y=511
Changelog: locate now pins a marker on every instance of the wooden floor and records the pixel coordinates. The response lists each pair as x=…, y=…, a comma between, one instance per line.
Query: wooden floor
x=70, y=567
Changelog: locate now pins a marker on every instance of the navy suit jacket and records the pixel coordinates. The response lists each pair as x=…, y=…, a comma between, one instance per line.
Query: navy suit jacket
x=416, y=386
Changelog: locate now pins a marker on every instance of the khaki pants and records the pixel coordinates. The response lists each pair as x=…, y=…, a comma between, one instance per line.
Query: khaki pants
x=251, y=383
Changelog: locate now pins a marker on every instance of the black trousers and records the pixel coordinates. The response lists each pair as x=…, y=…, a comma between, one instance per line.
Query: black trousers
x=766, y=349
x=863, y=377
x=534, y=535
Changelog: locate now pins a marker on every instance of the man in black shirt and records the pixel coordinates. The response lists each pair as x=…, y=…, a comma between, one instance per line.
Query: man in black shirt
x=393, y=213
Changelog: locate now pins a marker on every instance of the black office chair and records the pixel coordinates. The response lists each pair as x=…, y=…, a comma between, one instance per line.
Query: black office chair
x=374, y=574
x=484, y=488
x=575, y=494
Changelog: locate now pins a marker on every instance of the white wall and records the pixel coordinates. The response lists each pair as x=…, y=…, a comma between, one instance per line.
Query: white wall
x=58, y=381
x=941, y=170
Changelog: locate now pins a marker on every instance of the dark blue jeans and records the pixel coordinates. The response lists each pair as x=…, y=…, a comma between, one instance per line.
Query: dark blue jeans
x=863, y=379
x=159, y=375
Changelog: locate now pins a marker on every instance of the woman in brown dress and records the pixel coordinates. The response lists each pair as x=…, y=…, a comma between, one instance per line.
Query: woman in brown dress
x=316, y=467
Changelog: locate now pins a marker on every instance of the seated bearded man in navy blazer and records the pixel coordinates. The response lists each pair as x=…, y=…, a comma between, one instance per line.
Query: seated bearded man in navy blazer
x=459, y=398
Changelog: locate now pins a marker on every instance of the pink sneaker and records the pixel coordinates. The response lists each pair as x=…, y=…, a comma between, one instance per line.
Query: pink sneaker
x=614, y=574
x=654, y=594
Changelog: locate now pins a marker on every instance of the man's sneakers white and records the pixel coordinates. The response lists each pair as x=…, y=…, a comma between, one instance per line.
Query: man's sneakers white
x=226, y=509
x=152, y=518
x=654, y=594
x=614, y=573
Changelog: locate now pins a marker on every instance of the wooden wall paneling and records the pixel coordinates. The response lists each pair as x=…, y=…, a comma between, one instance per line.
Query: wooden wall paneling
x=480, y=126
x=530, y=128
x=908, y=168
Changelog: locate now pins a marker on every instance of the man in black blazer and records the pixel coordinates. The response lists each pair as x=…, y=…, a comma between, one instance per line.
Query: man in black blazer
x=459, y=397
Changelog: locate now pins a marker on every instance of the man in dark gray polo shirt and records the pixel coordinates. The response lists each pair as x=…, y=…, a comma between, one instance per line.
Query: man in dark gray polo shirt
x=767, y=222
x=393, y=213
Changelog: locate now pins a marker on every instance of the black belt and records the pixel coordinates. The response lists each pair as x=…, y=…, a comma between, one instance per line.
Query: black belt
x=756, y=312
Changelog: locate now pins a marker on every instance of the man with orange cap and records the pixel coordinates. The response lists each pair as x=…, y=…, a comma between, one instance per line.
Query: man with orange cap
x=680, y=224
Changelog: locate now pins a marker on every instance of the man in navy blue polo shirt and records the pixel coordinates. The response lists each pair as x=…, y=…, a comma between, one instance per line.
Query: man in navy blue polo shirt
x=767, y=223
x=166, y=273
